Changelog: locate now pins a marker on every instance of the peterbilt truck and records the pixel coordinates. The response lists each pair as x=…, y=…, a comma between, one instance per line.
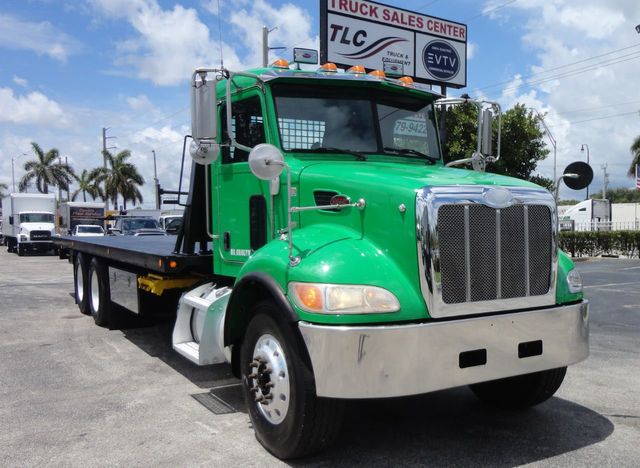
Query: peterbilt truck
x=28, y=222
x=327, y=253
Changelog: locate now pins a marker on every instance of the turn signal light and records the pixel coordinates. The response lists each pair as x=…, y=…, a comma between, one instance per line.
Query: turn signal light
x=377, y=74
x=406, y=81
x=357, y=70
x=310, y=295
x=280, y=63
x=328, y=68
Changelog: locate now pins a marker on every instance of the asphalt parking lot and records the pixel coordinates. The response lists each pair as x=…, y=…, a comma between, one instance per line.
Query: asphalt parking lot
x=74, y=394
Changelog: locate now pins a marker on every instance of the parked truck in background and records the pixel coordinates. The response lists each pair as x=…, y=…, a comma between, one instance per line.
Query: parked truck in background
x=28, y=222
x=588, y=215
x=327, y=253
x=70, y=214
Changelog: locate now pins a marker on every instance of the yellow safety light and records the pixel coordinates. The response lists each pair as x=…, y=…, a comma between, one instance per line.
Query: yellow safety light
x=280, y=63
x=357, y=70
x=406, y=81
x=377, y=74
x=328, y=68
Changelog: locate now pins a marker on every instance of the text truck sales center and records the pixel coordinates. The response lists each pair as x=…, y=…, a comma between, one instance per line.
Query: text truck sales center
x=400, y=42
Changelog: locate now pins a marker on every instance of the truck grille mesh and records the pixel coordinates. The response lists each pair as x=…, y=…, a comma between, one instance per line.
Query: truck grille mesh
x=40, y=235
x=488, y=254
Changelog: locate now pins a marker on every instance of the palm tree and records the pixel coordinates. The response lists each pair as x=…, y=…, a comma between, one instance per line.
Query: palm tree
x=635, y=151
x=88, y=184
x=47, y=170
x=120, y=178
x=3, y=187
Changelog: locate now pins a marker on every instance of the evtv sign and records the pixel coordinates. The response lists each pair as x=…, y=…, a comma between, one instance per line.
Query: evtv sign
x=377, y=36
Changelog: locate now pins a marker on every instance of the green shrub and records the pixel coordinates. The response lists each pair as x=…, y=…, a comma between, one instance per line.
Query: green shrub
x=592, y=243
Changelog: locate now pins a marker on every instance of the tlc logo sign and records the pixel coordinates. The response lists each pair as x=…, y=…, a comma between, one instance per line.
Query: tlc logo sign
x=341, y=34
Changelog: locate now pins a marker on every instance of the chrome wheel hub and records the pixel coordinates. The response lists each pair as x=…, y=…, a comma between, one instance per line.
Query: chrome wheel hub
x=79, y=283
x=269, y=379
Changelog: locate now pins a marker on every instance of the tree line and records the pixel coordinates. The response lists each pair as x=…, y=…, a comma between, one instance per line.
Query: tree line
x=119, y=179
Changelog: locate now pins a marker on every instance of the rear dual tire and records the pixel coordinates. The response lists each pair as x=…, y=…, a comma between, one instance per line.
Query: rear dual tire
x=99, y=300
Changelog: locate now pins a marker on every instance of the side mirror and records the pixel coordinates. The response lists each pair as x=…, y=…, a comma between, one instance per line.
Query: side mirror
x=266, y=161
x=10, y=219
x=577, y=175
x=204, y=125
x=486, y=147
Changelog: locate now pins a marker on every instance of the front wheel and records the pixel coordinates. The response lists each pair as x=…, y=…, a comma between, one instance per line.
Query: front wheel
x=288, y=418
x=521, y=391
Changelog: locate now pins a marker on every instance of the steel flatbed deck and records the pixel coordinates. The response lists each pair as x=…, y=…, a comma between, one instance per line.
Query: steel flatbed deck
x=153, y=253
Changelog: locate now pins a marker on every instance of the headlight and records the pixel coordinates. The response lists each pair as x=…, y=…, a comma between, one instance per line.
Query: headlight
x=574, y=281
x=342, y=298
x=23, y=238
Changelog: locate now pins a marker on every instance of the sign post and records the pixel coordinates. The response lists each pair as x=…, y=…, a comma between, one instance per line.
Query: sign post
x=398, y=41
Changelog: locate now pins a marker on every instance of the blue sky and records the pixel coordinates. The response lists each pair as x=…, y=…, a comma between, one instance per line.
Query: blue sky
x=69, y=68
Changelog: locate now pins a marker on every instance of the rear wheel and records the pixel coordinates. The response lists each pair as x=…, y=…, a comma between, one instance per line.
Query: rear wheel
x=99, y=292
x=81, y=289
x=522, y=391
x=288, y=418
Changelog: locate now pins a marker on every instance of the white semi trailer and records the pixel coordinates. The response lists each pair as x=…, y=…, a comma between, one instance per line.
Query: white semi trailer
x=28, y=222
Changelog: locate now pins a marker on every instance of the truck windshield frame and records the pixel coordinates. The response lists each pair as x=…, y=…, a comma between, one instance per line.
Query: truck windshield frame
x=36, y=218
x=337, y=119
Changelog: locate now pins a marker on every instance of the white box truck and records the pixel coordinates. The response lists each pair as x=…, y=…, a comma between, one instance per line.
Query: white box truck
x=28, y=222
x=70, y=214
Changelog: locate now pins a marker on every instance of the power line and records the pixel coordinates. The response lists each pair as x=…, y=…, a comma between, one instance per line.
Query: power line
x=562, y=66
x=490, y=10
x=614, y=61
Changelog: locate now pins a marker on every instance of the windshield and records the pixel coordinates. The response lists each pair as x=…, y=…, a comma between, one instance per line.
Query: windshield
x=135, y=224
x=36, y=218
x=90, y=229
x=313, y=118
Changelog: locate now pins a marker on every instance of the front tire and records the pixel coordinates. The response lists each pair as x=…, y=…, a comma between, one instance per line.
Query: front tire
x=289, y=420
x=20, y=250
x=99, y=292
x=522, y=391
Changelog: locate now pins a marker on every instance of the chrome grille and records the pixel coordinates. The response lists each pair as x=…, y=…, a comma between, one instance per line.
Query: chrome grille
x=474, y=257
x=40, y=235
x=486, y=256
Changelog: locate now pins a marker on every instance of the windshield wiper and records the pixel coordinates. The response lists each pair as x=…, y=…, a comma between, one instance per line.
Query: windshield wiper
x=410, y=151
x=327, y=149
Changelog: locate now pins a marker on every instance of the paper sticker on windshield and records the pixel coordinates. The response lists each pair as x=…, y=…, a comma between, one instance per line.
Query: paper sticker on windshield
x=411, y=127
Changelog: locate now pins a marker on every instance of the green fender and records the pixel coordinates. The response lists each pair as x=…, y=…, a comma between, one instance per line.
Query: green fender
x=565, y=265
x=337, y=254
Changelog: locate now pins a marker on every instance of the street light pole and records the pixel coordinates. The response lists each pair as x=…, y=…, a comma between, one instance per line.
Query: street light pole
x=584, y=145
x=551, y=139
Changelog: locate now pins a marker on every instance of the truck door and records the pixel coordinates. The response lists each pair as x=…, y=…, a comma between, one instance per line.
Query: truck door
x=242, y=198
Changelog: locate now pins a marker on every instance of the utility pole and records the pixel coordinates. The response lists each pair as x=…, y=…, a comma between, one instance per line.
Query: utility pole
x=104, y=161
x=155, y=180
x=606, y=181
x=66, y=161
x=552, y=140
x=265, y=45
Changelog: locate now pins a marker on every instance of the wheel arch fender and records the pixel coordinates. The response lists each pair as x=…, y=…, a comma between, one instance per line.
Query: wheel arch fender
x=249, y=290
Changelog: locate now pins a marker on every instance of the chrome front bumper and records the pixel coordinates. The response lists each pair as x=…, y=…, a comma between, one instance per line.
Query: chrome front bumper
x=389, y=361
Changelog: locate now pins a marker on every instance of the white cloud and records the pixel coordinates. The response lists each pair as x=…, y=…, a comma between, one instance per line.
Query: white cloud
x=472, y=49
x=139, y=103
x=20, y=81
x=169, y=44
x=32, y=109
x=41, y=38
x=293, y=27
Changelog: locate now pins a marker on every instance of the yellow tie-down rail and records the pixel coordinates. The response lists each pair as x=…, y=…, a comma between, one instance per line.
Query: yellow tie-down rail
x=156, y=284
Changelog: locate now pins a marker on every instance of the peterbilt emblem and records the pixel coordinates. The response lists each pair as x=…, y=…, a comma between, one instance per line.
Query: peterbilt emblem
x=497, y=198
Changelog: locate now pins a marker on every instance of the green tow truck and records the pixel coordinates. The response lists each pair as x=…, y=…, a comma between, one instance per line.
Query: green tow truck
x=327, y=254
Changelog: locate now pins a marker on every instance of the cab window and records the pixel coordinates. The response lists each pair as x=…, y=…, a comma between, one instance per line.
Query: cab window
x=248, y=125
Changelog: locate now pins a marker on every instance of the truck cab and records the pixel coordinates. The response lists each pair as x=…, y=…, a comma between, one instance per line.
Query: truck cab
x=361, y=265
x=28, y=222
